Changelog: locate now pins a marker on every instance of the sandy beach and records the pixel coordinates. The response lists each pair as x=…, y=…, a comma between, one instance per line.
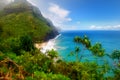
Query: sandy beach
x=40, y=45
x=45, y=46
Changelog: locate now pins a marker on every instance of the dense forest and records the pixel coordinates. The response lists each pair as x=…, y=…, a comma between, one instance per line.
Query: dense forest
x=22, y=25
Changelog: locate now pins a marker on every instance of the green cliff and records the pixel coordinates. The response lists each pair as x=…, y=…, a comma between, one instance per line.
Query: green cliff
x=22, y=18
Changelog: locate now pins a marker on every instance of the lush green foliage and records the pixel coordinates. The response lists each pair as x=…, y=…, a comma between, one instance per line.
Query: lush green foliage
x=33, y=65
x=96, y=49
x=116, y=54
x=26, y=43
x=20, y=30
x=20, y=60
x=19, y=24
x=52, y=54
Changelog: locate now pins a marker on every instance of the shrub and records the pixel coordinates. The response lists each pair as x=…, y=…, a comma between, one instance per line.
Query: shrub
x=26, y=43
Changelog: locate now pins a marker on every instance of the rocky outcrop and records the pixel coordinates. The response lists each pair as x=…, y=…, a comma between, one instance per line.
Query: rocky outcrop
x=54, y=31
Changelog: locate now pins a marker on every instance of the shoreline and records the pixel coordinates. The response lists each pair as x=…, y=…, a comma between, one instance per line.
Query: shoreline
x=46, y=46
x=40, y=45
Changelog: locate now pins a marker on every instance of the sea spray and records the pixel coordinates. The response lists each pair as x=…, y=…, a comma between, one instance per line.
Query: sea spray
x=50, y=45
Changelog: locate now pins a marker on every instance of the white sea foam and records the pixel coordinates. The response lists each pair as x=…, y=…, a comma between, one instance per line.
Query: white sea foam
x=50, y=45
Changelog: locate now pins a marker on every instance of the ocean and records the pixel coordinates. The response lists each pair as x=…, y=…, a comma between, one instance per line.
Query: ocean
x=110, y=41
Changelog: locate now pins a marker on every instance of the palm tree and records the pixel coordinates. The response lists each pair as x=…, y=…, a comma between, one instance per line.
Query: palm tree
x=77, y=50
x=77, y=39
x=115, y=54
x=86, y=42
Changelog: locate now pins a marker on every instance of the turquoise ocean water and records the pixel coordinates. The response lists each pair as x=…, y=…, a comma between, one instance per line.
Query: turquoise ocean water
x=110, y=40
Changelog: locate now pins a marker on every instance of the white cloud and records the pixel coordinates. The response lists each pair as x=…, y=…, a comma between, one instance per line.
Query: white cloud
x=57, y=14
x=5, y=1
x=55, y=9
x=115, y=27
x=32, y=2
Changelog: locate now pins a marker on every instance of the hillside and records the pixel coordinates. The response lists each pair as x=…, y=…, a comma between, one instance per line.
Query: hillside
x=22, y=18
x=22, y=25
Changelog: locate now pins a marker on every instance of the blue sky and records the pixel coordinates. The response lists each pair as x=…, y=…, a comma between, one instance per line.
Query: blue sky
x=81, y=14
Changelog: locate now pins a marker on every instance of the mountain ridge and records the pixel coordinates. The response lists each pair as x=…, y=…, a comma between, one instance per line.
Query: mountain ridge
x=33, y=21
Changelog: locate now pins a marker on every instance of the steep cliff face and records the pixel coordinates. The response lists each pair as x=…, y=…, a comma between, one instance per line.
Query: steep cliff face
x=20, y=17
x=54, y=31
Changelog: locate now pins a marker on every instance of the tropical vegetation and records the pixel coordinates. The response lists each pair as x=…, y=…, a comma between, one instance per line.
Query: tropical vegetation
x=20, y=60
x=28, y=63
